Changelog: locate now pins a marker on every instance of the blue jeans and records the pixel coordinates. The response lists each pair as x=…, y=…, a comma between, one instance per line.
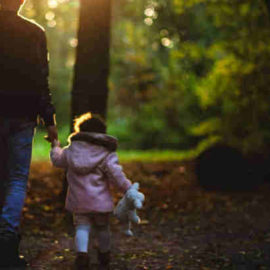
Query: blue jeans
x=18, y=134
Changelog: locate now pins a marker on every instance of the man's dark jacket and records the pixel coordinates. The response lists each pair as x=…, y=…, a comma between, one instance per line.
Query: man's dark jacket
x=24, y=90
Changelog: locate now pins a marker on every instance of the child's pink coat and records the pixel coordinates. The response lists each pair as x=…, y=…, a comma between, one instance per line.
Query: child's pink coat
x=92, y=165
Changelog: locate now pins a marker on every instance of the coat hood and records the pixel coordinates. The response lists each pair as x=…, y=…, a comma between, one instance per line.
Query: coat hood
x=87, y=150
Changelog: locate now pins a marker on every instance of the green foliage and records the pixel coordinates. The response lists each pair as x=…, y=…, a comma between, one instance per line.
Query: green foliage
x=183, y=72
x=151, y=90
x=210, y=64
x=237, y=84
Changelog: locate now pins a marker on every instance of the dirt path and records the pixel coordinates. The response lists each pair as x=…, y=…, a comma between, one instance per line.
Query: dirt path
x=183, y=226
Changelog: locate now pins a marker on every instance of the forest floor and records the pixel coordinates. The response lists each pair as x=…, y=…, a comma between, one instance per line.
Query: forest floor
x=183, y=226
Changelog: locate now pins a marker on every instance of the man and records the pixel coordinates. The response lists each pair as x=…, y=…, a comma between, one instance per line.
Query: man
x=24, y=94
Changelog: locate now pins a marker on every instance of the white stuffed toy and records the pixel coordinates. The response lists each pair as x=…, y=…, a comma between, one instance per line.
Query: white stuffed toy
x=125, y=210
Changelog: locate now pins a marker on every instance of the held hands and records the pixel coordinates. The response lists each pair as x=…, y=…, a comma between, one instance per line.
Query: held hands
x=52, y=134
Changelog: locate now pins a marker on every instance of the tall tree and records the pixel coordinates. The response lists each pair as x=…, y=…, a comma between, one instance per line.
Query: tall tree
x=268, y=5
x=90, y=88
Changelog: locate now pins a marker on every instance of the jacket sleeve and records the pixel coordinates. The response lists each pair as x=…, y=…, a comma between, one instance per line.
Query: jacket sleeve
x=46, y=108
x=115, y=174
x=58, y=157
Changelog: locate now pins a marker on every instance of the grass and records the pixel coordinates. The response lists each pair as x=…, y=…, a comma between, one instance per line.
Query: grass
x=41, y=150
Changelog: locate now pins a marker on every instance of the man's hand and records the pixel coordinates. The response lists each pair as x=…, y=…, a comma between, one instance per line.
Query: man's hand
x=52, y=134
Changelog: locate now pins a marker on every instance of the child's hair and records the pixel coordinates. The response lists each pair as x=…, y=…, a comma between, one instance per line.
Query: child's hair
x=89, y=122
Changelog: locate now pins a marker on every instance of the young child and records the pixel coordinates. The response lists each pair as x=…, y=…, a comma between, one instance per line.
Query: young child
x=92, y=166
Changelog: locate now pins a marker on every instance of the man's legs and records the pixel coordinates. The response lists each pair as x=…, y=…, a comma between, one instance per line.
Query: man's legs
x=3, y=159
x=20, y=135
x=20, y=150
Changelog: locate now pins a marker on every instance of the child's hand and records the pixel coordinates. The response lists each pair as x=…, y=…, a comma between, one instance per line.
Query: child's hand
x=56, y=143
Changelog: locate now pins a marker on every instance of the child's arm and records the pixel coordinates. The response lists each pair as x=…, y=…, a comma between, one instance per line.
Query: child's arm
x=115, y=173
x=58, y=155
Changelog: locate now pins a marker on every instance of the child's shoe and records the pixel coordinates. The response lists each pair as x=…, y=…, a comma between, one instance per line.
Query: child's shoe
x=82, y=261
x=104, y=260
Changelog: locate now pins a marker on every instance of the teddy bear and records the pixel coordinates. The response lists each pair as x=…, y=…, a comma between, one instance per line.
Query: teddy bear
x=125, y=210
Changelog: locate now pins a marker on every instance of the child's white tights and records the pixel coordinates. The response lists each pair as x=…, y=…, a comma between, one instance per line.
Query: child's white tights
x=82, y=238
x=83, y=234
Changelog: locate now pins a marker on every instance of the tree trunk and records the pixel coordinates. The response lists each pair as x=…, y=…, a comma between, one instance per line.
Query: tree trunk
x=268, y=5
x=90, y=88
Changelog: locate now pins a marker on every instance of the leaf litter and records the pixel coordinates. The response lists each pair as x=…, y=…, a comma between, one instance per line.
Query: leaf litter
x=183, y=226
